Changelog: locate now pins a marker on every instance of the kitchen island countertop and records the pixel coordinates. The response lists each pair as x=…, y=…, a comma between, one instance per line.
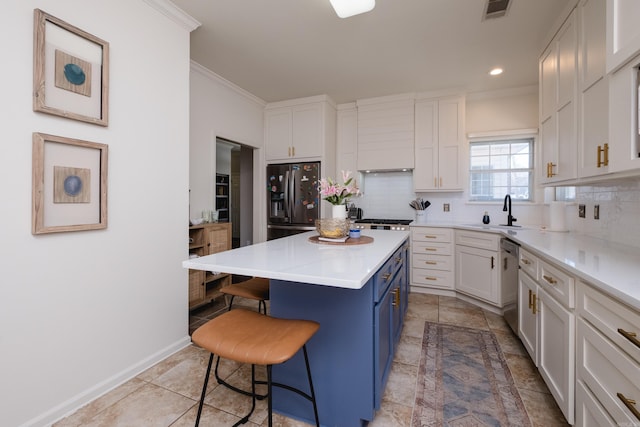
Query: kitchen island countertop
x=296, y=259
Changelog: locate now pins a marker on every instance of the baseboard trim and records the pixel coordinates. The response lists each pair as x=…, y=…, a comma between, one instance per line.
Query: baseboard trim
x=71, y=405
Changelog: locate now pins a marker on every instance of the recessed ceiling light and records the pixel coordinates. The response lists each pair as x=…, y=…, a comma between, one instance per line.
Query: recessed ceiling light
x=347, y=8
x=496, y=71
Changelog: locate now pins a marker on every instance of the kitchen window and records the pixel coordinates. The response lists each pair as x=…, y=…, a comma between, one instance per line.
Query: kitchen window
x=500, y=167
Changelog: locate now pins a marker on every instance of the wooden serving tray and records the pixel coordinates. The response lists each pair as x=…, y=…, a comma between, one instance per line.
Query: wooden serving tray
x=362, y=240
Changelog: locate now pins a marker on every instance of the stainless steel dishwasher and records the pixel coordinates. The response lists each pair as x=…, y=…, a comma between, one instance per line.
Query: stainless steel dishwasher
x=509, y=276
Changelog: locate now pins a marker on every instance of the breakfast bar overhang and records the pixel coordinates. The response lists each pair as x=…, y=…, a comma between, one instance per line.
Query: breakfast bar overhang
x=357, y=292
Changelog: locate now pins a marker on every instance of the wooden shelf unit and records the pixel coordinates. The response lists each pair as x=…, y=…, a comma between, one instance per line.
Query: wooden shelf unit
x=206, y=239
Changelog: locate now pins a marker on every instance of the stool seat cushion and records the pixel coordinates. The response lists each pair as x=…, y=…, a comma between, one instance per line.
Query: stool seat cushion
x=249, y=337
x=256, y=288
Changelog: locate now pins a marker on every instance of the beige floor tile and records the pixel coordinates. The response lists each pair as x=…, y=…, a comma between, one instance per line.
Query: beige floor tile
x=462, y=316
x=150, y=405
x=419, y=298
x=409, y=350
x=510, y=343
x=423, y=311
x=235, y=403
x=187, y=353
x=401, y=385
x=187, y=377
x=281, y=421
x=525, y=374
x=210, y=417
x=496, y=322
x=542, y=409
x=413, y=327
x=392, y=414
x=454, y=302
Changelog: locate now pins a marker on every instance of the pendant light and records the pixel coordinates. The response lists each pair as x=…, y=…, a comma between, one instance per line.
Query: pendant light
x=347, y=8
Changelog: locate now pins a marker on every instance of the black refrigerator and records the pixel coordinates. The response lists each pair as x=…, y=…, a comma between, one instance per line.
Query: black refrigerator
x=292, y=197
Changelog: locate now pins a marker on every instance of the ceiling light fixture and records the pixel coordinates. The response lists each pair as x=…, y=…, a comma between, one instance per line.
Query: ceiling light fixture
x=347, y=8
x=496, y=71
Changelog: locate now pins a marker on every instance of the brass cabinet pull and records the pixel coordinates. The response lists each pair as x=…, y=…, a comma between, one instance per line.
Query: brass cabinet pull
x=606, y=154
x=397, y=297
x=431, y=262
x=293, y=151
x=428, y=236
x=493, y=262
x=430, y=278
x=526, y=261
x=631, y=336
x=551, y=166
x=534, y=308
x=435, y=181
x=630, y=404
x=599, y=162
x=386, y=276
x=530, y=295
x=505, y=264
x=550, y=279
x=440, y=181
x=431, y=249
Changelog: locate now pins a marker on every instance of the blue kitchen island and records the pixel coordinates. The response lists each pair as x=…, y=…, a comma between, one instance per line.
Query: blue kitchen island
x=357, y=292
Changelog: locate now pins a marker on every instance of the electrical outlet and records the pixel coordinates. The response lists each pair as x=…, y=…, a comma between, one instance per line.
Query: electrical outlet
x=596, y=212
x=582, y=211
x=445, y=207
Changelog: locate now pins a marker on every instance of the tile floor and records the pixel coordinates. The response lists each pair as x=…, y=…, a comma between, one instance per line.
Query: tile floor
x=167, y=393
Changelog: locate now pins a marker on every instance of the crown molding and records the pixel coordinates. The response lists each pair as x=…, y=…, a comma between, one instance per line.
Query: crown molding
x=200, y=69
x=174, y=13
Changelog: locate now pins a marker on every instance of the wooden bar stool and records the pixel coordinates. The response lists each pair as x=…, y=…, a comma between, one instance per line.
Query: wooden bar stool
x=249, y=337
x=256, y=288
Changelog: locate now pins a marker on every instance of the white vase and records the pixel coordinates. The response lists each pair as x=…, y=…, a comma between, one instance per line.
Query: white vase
x=421, y=216
x=339, y=212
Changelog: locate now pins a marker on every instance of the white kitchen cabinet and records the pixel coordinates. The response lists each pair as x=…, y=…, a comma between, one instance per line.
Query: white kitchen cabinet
x=608, y=356
x=527, y=314
x=558, y=105
x=589, y=412
x=593, y=90
x=386, y=133
x=623, y=32
x=432, y=258
x=347, y=138
x=623, y=118
x=439, y=144
x=302, y=129
x=556, y=353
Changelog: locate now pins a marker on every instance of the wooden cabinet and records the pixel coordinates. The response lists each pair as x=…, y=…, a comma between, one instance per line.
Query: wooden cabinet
x=623, y=32
x=593, y=90
x=207, y=239
x=439, y=137
x=301, y=129
x=385, y=133
x=432, y=258
x=608, y=358
x=558, y=109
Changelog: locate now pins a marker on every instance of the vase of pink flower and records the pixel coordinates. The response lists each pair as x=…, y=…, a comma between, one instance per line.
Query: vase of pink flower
x=338, y=193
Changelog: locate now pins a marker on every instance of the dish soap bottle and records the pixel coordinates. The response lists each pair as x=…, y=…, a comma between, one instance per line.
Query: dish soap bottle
x=485, y=218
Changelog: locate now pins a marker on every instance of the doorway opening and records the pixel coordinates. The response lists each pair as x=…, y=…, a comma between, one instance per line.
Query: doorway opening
x=234, y=189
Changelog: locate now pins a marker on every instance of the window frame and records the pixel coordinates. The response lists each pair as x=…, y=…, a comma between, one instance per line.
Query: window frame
x=529, y=135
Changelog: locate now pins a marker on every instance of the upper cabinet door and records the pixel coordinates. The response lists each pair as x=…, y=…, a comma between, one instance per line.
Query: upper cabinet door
x=623, y=32
x=278, y=133
x=425, y=173
x=307, y=131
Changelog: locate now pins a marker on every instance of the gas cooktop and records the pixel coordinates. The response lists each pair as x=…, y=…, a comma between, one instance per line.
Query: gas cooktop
x=383, y=221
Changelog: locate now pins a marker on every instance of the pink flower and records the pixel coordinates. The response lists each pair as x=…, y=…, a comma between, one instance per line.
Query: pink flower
x=335, y=193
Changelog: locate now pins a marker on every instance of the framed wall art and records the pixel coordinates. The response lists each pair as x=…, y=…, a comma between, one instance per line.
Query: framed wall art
x=69, y=182
x=70, y=72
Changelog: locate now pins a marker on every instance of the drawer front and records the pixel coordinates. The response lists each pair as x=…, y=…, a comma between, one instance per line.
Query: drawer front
x=557, y=283
x=609, y=373
x=432, y=262
x=432, y=248
x=387, y=272
x=616, y=321
x=431, y=234
x=478, y=239
x=432, y=278
x=589, y=412
x=529, y=263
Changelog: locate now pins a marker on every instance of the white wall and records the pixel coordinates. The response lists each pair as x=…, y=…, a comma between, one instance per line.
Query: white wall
x=221, y=109
x=81, y=312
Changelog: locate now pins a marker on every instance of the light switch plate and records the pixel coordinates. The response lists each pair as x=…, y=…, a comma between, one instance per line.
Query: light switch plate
x=582, y=211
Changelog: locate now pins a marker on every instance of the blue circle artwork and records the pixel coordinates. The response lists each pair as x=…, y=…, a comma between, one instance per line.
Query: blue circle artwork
x=72, y=185
x=74, y=74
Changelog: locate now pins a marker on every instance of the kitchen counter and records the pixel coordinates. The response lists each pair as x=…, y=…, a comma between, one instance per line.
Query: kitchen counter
x=609, y=266
x=296, y=259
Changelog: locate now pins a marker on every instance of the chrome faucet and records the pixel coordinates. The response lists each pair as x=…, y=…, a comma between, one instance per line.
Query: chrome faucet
x=507, y=208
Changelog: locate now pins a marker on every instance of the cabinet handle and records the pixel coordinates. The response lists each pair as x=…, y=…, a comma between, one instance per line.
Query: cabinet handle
x=435, y=181
x=551, y=166
x=606, y=154
x=386, y=276
x=530, y=295
x=398, y=259
x=548, y=172
x=431, y=262
x=534, y=308
x=526, y=261
x=599, y=161
x=630, y=404
x=293, y=151
x=550, y=279
x=430, y=278
x=631, y=336
x=396, y=297
x=440, y=181
x=428, y=236
x=493, y=262
x=431, y=249
x=505, y=264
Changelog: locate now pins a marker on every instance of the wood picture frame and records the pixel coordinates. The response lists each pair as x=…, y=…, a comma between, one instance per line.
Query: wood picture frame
x=69, y=184
x=70, y=71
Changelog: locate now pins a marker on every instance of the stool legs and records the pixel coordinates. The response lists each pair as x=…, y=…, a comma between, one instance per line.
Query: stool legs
x=204, y=390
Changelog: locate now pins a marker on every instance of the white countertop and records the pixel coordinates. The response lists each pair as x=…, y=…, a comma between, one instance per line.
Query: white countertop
x=609, y=266
x=296, y=259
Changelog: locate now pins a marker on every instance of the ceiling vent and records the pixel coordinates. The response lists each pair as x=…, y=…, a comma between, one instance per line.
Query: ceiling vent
x=496, y=9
